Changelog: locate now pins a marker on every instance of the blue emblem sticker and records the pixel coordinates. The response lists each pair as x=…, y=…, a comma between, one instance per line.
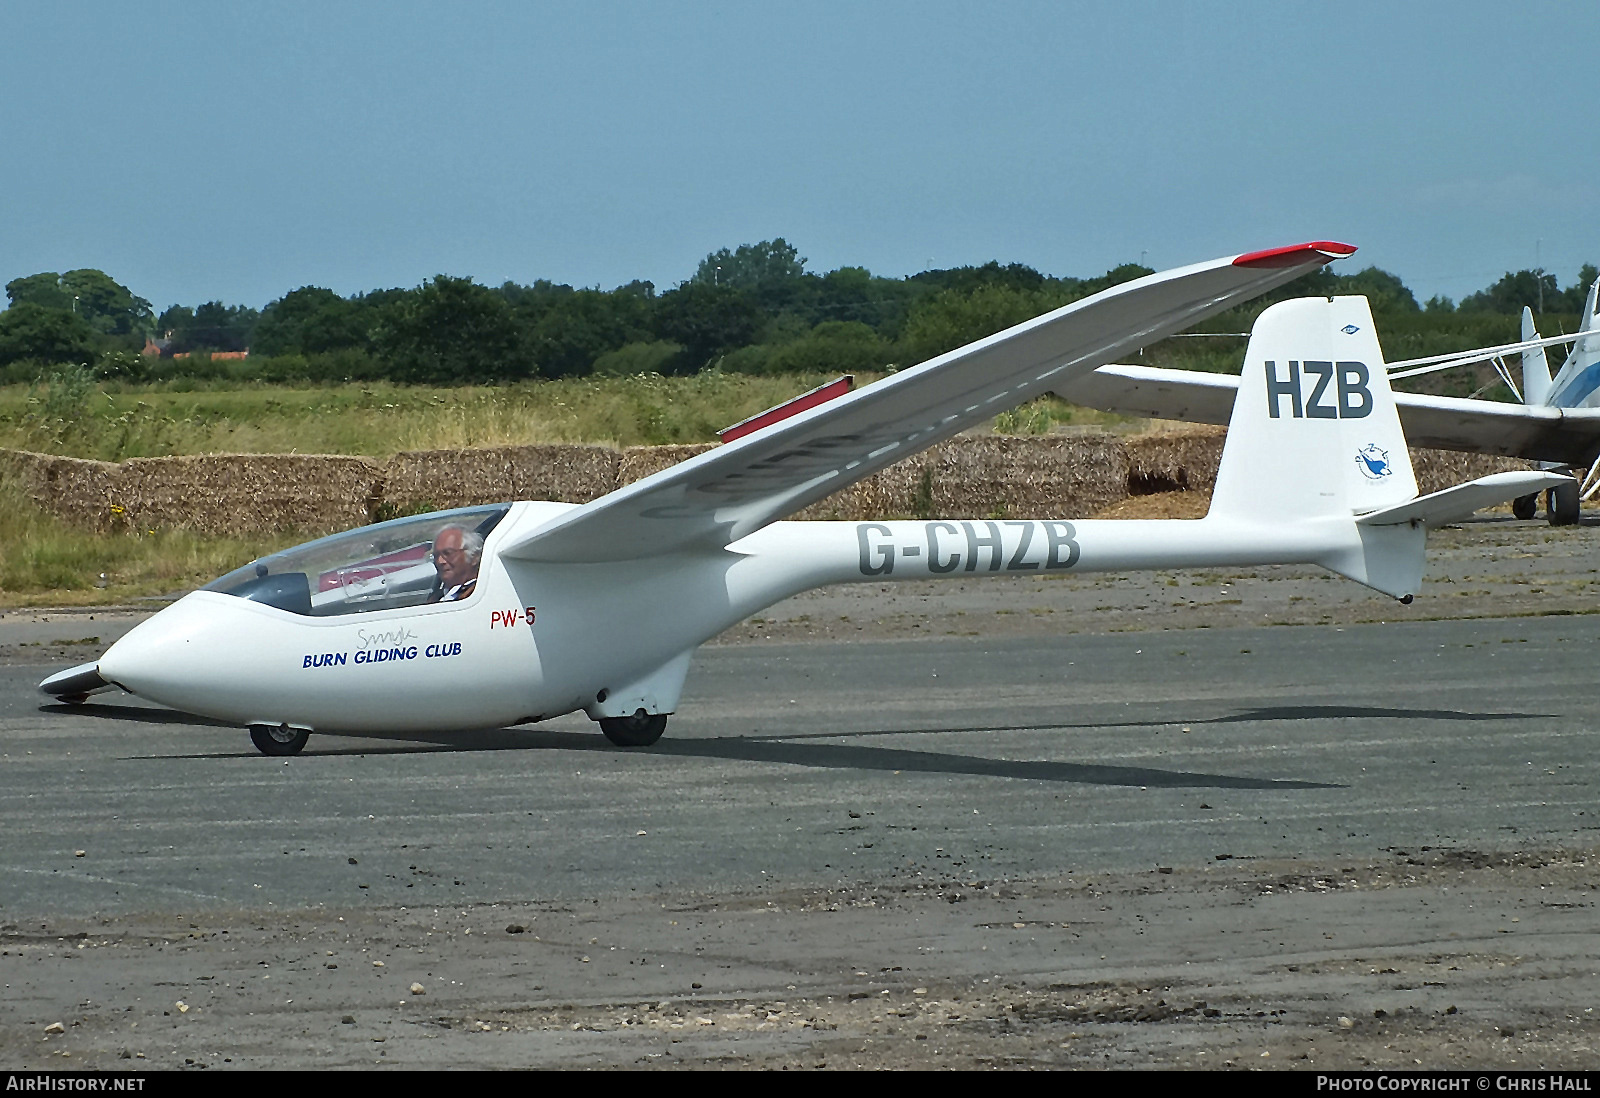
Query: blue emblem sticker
x=1374, y=462
x=1350, y=329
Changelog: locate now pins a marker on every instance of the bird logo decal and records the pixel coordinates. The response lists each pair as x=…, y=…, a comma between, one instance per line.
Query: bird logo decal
x=1374, y=462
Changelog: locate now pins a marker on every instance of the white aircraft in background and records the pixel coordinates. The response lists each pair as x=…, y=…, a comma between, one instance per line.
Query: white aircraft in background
x=515, y=613
x=1558, y=423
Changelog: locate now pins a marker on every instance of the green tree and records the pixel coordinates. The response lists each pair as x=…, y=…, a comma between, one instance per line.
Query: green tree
x=1577, y=295
x=966, y=280
x=309, y=321
x=707, y=320
x=855, y=294
x=99, y=300
x=451, y=330
x=638, y=358
x=1535, y=289
x=40, y=289
x=752, y=266
x=834, y=346
x=107, y=304
x=953, y=319
x=32, y=331
x=574, y=330
x=1383, y=291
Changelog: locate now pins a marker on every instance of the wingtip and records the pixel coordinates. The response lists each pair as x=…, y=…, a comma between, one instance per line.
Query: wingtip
x=1295, y=255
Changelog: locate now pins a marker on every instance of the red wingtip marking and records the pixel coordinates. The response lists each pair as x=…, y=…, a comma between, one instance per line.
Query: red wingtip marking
x=1318, y=251
x=838, y=387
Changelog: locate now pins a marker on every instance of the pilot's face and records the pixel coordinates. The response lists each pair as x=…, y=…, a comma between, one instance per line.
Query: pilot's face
x=451, y=560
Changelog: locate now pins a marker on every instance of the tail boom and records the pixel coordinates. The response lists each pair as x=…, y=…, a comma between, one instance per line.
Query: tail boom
x=796, y=556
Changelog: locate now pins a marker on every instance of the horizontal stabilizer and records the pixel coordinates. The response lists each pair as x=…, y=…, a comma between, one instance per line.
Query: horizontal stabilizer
x=1455, y=504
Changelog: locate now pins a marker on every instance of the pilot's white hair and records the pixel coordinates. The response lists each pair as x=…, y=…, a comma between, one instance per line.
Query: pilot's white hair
x=471, y=540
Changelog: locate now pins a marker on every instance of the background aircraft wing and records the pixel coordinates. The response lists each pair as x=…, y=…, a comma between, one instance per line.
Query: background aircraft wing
x=1193, y=396
x=1540, y=433
x=734, y=490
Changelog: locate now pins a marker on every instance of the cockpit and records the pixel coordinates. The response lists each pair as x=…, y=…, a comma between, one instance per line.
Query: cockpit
x=402, y=562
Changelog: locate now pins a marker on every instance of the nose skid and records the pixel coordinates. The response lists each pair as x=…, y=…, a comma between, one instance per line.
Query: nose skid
x=76, y=683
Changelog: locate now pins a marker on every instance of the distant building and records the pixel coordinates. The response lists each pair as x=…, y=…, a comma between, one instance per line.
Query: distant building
x=162, y=348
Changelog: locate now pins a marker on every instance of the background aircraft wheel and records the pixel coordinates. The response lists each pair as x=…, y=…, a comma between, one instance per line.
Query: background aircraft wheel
x=1525, y=507
x=640, y=730
x=279, y=739
x=72, y=699
x=1562, y=504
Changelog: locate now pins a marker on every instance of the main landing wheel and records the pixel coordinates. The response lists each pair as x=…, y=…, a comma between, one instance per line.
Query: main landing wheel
x=1562, y=504
x=640, y=730
x=279, y=739
x=1525, y=507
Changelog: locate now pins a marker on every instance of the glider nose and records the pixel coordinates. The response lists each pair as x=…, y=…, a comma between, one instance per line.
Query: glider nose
x=154, y=659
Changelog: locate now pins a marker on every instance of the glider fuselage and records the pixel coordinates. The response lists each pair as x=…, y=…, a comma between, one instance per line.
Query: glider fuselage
x=537, y=639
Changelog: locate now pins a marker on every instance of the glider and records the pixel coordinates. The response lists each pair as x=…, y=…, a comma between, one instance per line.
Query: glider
x=518, y=612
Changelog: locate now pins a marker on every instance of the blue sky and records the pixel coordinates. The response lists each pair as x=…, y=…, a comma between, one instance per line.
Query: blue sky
x=199, y=151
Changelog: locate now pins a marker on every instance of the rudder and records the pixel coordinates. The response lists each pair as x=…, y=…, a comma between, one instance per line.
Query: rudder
x=1314, y=430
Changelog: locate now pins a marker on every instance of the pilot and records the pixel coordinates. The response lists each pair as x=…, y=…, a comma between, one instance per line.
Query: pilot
x=457, y=552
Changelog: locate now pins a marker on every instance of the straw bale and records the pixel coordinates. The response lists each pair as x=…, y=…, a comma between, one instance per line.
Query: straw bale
x=1440, y=469
x=438, y=479
x=639, y=462
x=1062, y=474
x=1160, y=505
x=902, y=490
x=235, y=494
x=982, y=476
x=1185, y=458
x=84, y=493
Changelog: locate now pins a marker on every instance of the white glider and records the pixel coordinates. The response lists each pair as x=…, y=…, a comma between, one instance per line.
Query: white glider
x=518, y=612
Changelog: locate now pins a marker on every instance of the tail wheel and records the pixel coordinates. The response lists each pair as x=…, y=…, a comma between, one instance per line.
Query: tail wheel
x=278, y=739
x=1562, y=504
x=1525, y=507
x=640, y=730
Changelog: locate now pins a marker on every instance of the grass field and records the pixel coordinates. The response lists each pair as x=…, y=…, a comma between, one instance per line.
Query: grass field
x=110, y=421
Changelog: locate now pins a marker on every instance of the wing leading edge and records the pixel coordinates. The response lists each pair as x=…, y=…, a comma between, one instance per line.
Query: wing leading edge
x=728, y=493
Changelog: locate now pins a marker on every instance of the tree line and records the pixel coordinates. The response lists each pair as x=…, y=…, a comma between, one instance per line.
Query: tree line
x=752, y=309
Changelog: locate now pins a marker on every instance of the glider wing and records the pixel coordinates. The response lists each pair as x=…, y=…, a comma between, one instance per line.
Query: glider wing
x=728, y=493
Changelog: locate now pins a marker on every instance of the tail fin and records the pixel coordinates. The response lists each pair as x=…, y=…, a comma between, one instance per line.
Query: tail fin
x=1535, y=366
x=1577, y=383
x=1314, y=430
x=1315, y=436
